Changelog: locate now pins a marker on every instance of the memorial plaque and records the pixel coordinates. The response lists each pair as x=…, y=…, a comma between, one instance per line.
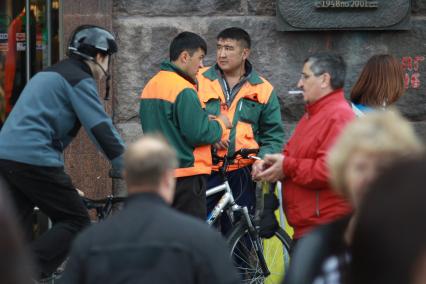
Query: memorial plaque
x=299, y=15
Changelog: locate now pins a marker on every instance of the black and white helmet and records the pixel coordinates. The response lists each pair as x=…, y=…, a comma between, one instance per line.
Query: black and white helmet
x=88, y=40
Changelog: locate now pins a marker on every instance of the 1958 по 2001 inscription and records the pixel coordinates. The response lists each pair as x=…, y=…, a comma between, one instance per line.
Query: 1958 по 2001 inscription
x=330, y=4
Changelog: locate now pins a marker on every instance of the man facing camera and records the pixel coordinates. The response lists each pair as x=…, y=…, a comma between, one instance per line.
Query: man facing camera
x=308, y=197
x=232, y=87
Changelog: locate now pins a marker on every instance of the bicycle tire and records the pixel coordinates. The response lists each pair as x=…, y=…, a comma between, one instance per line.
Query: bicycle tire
x=247, y=262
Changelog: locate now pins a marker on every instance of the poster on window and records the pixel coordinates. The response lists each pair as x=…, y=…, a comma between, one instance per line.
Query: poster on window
x=20, y=42
x=3, y=42
x=4, y=24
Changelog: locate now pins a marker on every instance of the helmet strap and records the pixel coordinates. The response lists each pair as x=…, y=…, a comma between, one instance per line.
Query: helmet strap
x=107, y=79
x=107, y=75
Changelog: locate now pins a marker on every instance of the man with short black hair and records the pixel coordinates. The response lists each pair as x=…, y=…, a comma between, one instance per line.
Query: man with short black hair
x=308, y=197
x=233, y=88
x=169, y=105
x=149, y=242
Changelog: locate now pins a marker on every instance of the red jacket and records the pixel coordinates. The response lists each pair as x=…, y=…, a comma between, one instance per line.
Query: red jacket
x=308, y=197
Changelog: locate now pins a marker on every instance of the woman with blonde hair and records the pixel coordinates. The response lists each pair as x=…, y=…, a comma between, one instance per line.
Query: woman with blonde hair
x=366, y=146
x=380, y=84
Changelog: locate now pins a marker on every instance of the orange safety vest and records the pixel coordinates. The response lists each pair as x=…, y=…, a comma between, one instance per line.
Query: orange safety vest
x=247, y=103
x=166, y=86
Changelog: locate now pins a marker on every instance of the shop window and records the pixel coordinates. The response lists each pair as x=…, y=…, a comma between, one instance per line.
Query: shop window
x=29, y=42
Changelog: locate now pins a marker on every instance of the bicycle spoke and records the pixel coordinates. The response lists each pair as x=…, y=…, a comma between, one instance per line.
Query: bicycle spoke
x=247, y=262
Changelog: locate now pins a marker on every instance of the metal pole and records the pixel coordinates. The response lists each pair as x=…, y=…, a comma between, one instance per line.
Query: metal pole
x=49, y=32
x=28, y=40
x=61, y=30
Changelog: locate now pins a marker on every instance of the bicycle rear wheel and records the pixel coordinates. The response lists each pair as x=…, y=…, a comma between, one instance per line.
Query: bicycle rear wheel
x=275, y=250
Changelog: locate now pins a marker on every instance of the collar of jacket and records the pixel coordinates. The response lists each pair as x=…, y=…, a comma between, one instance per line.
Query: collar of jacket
x=253, y=77
x=315, y=107
x=145, y=197
x=167, y=65
x=80, y=63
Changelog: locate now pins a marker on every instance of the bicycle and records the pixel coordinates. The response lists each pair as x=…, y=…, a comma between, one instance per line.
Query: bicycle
x=249, y=252
x=103, y=207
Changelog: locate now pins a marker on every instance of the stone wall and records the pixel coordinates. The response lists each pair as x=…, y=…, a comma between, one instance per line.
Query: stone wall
x=87, y=167
x=145, y=29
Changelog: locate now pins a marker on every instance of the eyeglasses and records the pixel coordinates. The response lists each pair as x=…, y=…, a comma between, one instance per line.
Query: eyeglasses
x=305, y=77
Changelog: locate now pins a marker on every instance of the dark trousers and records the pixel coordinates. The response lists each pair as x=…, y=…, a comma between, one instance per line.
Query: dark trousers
x=190, y=196
x=51, y=190
x=243, y=188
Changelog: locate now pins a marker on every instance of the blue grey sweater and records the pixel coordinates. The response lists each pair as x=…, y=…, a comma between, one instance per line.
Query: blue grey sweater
x=49, y=113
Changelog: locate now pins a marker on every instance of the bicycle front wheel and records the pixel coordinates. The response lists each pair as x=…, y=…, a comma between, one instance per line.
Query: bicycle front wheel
x=275, y=251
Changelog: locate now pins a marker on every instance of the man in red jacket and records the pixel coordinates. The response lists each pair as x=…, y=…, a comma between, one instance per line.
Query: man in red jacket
x=308, y=198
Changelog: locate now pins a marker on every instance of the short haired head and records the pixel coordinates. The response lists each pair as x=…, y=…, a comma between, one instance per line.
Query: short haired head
x=383, y=133
x=186, y=41
x=380, y=83
x=330, y=63
x=147, y=161
x=237, y=34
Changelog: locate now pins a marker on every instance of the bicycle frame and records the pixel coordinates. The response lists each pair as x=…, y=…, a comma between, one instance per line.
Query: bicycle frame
x=227, y=201
x=227, y=198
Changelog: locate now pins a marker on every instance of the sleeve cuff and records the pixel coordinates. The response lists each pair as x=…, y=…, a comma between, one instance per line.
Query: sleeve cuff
x=222, y=125
x=287, y=166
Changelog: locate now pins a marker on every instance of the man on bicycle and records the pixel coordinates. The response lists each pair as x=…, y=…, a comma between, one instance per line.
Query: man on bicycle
x=232, y=87
x=45, y=119
x=170, y=106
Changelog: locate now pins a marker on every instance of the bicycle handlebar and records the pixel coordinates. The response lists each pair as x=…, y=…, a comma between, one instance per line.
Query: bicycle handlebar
x=243, y=152
x=95, y=203
x=246, y=152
